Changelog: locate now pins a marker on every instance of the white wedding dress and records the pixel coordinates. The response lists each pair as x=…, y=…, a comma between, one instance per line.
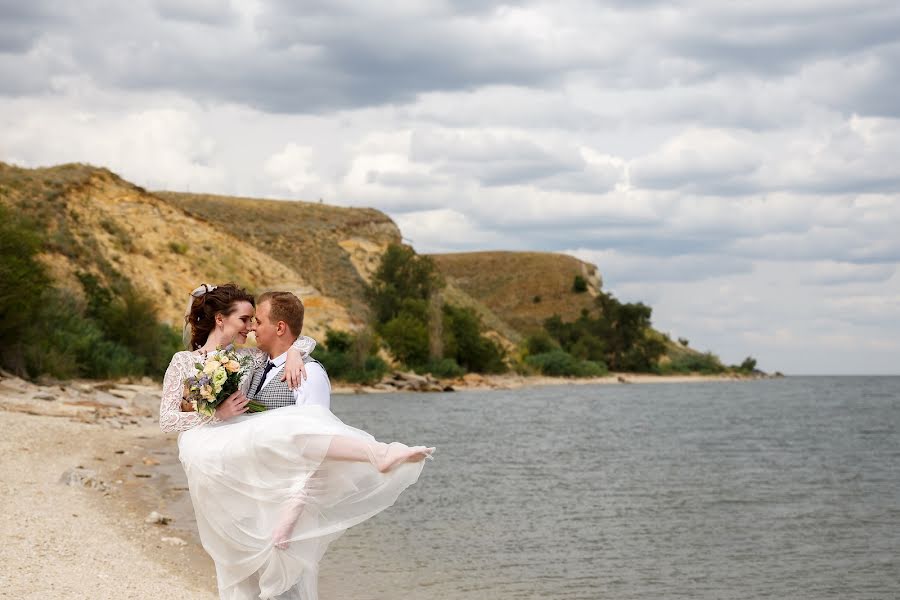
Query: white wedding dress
x=245, y=473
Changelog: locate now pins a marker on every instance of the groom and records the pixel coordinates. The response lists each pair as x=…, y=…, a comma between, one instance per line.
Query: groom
x=279, y=320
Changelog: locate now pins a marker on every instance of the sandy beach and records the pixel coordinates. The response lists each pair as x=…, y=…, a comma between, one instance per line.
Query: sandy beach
x=84, y=466
x=88, y=539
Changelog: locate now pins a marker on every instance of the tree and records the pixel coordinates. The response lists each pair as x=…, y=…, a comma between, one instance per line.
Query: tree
x=464, y=342
x=402, y=275
x=24, y=281
x=618, y=336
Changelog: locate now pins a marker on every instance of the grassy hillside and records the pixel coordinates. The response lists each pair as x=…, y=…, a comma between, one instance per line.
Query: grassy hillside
x=336, y=249
x=523, y=288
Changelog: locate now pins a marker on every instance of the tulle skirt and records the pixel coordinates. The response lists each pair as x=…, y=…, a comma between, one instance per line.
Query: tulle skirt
x=245, y=473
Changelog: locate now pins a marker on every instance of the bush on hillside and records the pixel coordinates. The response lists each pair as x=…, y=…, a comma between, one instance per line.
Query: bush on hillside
x=579, y=285
x=706, y=364
x=402, y=275
x=350, y=357
x=559, y=363
x=539, y=343
x=24, y=283
x=445, y=368
x=46, y=331
x=464, y=342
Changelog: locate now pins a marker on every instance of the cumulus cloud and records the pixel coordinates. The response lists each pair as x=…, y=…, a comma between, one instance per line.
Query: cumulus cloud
x=290, y=169
x=491, y=157
x=699, y=160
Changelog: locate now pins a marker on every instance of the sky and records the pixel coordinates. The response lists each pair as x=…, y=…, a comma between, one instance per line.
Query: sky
x=735, y=165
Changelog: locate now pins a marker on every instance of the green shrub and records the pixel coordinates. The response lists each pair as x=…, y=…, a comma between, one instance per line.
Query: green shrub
x=619, y=335
x=352, y=358
x=178, y=247
x=402, y=275
x=579, y=285
x=24, y=282
x=559, y=363
x=464, y=342
x=407, y=337
x=446, y=368
x=748, y=366
x=706, y=363
x=539, y=343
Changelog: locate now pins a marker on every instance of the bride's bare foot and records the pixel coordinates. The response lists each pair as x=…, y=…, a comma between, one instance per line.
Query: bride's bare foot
x=397, y=453
x=285, y=528
x=281, y=537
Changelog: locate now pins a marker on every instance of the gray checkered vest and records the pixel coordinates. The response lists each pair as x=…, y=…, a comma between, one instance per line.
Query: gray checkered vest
x=277, y=393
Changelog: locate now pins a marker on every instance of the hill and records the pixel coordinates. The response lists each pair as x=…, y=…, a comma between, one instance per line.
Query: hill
x=165, y=243
x=335, y=248
x=524, y=287
x=100, y=224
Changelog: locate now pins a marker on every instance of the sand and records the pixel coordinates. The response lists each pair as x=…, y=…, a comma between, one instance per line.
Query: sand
x=75, y=541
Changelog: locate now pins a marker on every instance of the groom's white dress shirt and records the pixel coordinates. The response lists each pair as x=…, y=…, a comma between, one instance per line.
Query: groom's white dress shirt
x=316, y=389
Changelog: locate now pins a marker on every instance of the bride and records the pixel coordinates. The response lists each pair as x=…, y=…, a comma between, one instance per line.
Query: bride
x=271, y=490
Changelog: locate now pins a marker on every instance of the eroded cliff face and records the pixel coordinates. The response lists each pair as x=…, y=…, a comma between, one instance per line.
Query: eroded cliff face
x=335, y=249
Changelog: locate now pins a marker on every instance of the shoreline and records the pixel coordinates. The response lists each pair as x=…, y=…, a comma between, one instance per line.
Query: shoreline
x=411, y=382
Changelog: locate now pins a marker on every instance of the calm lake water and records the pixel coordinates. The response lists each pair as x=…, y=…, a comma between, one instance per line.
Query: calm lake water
x=784, y=488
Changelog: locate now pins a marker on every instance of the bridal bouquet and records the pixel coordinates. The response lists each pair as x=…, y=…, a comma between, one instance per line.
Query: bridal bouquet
x=217, y=378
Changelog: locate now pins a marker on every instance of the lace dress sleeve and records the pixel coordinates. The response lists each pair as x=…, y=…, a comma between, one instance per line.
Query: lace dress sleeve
x=171, y=418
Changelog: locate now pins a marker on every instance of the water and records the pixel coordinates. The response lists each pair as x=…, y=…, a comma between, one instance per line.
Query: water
x=768, y=489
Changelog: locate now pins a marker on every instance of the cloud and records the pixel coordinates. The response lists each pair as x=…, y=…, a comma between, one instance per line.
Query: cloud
x=621, y=267
x=733, y=164
x=207, y=12
x=840, y=273
x=447, y=230
x=695, y=160
x=492, y=157
x=290, y=169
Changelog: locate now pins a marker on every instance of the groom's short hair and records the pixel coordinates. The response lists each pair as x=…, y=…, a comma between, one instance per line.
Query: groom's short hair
x=284, y=306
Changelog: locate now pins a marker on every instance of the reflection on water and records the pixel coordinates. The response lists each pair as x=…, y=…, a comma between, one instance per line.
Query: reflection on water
x=770, y=489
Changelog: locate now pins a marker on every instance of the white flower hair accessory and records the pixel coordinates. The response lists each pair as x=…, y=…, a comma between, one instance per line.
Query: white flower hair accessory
x=200, y=291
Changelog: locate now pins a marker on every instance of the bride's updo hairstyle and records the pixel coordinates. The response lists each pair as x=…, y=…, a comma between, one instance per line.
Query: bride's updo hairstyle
x=207, y=301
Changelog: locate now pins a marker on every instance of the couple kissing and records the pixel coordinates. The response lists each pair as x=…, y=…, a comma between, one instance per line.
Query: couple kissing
x=271, y=488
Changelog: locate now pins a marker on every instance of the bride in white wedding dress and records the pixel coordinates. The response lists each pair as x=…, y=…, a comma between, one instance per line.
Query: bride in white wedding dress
x=271, y=490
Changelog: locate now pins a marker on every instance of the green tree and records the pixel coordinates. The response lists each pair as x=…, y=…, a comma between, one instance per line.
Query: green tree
x=539, y=343
x=24, y=282
x=617, y=336
x=402, y=275
x=407, y=337
x=464, y=342
x=351, y=357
